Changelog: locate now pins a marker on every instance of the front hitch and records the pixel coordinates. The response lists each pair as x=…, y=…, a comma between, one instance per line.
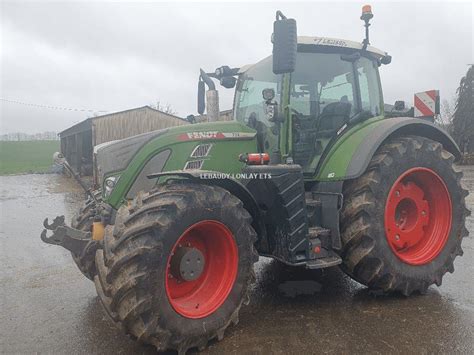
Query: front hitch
x=74, y=240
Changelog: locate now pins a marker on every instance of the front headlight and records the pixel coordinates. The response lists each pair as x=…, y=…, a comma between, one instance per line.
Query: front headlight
x=109, y=184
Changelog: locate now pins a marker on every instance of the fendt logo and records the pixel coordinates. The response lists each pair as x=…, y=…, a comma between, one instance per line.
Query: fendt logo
x=200, y=135
x=214, y=135
x=203, y=135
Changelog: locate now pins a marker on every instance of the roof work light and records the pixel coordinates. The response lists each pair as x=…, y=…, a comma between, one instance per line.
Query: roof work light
x=366, y=13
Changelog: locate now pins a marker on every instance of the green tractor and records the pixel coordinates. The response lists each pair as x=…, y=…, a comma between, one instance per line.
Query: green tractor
x=311, y=172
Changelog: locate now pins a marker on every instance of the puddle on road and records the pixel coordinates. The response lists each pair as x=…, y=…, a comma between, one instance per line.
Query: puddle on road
x=299, y=288
x=291, y=310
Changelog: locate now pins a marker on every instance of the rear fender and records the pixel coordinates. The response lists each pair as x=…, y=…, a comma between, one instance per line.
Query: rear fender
x=351, y=158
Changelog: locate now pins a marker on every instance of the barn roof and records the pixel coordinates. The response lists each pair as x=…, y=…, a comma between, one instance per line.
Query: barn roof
x=87, y=123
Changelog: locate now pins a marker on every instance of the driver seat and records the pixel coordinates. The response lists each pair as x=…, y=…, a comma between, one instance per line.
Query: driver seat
x=333, y=117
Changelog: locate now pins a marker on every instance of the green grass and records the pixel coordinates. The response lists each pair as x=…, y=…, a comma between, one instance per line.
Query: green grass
x=26, y=156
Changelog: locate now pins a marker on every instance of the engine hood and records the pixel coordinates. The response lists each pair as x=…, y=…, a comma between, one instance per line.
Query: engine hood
x=213, y=146
x=116, y=155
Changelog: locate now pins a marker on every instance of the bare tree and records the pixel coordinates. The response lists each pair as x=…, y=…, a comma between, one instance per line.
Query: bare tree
x=463, y=121
x=446, y=116
x=167, y=108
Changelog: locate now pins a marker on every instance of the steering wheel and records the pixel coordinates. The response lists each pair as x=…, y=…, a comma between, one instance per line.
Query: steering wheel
x=296, y=112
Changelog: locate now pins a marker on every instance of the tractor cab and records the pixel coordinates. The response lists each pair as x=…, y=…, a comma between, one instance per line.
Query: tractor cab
x=333, y=85
x=304, y=96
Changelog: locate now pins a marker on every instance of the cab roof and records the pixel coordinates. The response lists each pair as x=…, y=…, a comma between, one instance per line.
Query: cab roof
x=338, y=43
x=325, y=42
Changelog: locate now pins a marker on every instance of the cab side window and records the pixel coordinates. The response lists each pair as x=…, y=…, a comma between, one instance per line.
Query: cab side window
x=340, y=89
x=368, y=82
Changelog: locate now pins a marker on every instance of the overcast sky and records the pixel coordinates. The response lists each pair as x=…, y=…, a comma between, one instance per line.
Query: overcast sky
x=116, y=56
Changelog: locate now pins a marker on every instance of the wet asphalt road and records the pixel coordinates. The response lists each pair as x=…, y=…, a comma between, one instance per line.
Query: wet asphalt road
x=47, y=306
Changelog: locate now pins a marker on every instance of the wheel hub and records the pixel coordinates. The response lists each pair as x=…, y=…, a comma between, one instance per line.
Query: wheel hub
x=201, y=269
x=187, y=263
x=418, y=216
x=411, y=214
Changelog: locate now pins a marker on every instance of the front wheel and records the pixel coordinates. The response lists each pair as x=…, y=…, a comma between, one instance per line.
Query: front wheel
x=403, y=220
x=176, y=268
x=83, y=221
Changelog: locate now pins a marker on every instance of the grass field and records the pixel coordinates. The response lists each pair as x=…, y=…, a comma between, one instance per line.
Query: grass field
x=26, y=156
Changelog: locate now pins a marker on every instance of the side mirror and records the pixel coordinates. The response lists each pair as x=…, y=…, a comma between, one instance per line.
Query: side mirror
x=285, y=43
x=399, y=105
x=58, y=158
x=386, y=59
x=201, y=97
x=228, y=82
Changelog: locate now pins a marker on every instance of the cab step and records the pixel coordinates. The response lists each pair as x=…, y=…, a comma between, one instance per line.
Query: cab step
x=331, y=260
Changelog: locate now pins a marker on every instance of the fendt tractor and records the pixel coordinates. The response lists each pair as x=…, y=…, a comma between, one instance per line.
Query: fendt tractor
x=311, y=172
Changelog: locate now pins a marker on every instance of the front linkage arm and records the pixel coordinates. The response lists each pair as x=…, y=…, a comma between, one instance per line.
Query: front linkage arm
x=74, y=240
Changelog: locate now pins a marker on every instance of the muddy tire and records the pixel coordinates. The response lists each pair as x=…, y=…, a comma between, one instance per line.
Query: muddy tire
x=83, y=221
x=403, y=220
x=137, y=280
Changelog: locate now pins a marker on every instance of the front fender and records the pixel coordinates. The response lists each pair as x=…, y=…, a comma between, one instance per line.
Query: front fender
x=351, y=155
x=234, y=186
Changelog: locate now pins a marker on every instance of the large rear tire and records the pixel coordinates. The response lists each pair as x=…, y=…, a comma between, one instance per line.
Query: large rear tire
x=83, y=221
x=403, y=220
x=143, y=277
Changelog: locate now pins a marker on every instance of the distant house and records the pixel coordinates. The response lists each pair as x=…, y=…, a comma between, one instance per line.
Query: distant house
x=78, y=141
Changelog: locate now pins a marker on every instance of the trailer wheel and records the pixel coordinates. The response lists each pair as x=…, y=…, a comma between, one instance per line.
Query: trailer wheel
x=403, y=220
x=176, y=267
x=83, y=221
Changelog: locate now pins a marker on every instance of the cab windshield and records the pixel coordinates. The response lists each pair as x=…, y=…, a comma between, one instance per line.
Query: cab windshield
x=248, y=100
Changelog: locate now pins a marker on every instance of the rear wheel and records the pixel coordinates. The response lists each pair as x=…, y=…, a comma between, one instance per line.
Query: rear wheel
x=176, y=266
x=403, y=220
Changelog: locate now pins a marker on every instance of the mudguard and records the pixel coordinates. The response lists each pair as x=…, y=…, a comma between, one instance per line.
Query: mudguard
x=234, y=186
x=350, y=156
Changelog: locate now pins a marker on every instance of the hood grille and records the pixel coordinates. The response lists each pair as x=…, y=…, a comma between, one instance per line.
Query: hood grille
x=201, y=151
x=194, y=164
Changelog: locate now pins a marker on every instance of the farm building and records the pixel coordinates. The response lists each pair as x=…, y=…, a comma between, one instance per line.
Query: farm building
x=78, y=141
x=227, y=115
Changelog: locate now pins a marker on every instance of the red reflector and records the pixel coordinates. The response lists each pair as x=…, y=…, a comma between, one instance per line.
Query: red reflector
x=317, y=250
x=255, y=158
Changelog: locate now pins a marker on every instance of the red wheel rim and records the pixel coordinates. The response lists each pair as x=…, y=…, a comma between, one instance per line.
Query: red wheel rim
x=201, y=297
x=418, y=216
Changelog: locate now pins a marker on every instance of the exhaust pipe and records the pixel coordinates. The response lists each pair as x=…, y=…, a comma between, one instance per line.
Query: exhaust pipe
x=212, y=97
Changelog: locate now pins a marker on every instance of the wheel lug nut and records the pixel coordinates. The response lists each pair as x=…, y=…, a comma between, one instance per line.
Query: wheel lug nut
x=423, y=213
x=397, y=237
x=397, y=193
